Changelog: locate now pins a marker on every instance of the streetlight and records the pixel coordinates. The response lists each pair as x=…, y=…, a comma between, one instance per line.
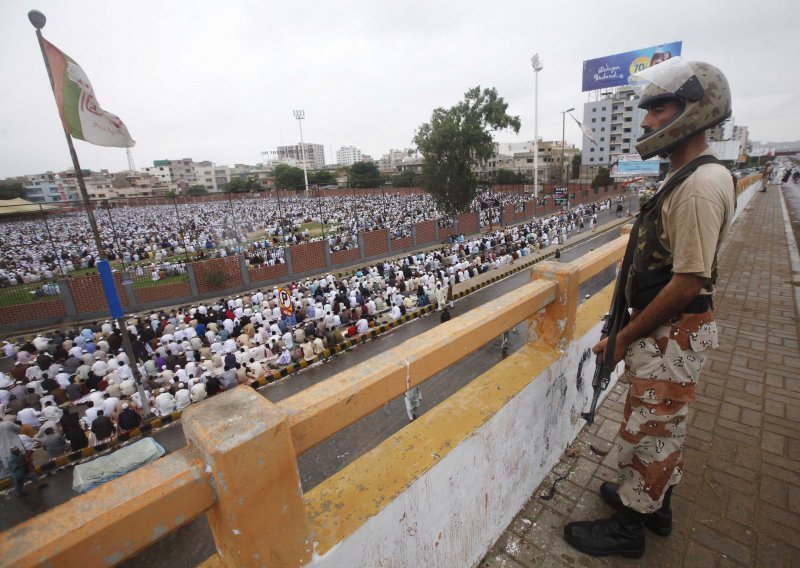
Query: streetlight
x=537, y=65
x=300, y=115
x=563, y=127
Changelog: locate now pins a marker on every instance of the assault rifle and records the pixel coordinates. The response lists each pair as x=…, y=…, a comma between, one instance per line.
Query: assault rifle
x=601, y=378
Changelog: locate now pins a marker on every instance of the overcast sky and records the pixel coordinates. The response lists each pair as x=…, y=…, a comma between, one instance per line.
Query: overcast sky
x=214, y=80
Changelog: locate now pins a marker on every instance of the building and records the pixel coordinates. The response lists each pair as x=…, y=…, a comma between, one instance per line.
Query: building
x=205, y=175
x=520, y=157
x=741, y=133
x=293, y=155
x=49, y=188
x=615, y=121
x=171, y=171
x=348, y=155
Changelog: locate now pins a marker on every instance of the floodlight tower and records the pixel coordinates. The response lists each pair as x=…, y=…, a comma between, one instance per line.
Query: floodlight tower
x=536, y=63
x=300, y=115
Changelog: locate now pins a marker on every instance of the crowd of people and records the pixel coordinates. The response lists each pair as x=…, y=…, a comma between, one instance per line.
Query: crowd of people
x=158, y=239
x=75, y=388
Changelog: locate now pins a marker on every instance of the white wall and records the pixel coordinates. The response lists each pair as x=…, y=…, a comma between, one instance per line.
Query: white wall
x=452, y=514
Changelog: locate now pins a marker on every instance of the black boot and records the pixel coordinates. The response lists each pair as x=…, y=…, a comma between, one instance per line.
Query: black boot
x=621, y=534
x=660, y=522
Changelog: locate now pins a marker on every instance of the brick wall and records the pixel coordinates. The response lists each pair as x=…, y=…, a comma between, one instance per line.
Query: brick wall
x=468, y=223
x=508, y=214
x=163, y=292
x=445, y=232
x=266, y=272
x=307, y=256
x=87, y=293
x=226, y=270
x=519, y=216
x=345, y=256
x=530, y=209
x=32, y=312
x=426, y=232
x=123, y=297
x=376, y=242
x=404, y=243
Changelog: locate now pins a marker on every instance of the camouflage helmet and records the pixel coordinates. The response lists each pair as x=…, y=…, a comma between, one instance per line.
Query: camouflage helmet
x=702, y=92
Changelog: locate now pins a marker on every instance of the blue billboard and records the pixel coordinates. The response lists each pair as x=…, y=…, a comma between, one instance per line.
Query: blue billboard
x=614, y=70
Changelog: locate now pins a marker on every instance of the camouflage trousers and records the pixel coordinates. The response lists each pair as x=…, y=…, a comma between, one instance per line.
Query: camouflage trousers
x=662, y=369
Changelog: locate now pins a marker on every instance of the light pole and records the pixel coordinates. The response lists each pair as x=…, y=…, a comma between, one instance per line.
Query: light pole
x=300, y=115
x=536, y=62
x=563, y=127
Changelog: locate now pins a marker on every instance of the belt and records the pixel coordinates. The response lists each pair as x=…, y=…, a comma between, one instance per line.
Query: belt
x=699, y=304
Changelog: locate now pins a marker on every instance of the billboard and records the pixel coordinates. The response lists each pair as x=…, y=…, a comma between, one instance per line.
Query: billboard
x=727, y=149
x=614, y=70
x=632, y=165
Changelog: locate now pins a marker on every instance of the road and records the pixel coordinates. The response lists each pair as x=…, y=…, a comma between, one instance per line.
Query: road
x=194, y=543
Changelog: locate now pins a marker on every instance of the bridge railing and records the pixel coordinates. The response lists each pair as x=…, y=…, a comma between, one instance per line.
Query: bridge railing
x=240, y=463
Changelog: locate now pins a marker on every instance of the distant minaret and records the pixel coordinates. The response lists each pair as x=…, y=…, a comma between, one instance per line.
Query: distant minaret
x=131, y=165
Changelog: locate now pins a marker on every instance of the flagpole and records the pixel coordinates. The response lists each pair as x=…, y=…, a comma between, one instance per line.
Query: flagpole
x=38, y=20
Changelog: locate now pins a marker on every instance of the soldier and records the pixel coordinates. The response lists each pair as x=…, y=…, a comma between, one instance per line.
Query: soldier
x=765, y=175
x=668, y=286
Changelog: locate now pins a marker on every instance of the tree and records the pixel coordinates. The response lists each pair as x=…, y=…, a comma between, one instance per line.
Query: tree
x=288, y=177
x=321, y=177
x=576, y=165
x=238, y=184
x=196, y=190
x=404, y=179
x=509, y=177
x=12, y=190
x=457, y=140
x=602, y=179
x=364, y=174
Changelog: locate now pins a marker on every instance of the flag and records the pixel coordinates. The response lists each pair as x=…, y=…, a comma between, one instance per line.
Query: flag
x=80, y=112
x=586, y=130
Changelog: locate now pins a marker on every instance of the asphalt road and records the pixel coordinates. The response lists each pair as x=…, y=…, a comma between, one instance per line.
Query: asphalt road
x=193, y=543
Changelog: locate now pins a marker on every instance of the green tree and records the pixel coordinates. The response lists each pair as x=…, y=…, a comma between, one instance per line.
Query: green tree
x=602, y=179
x=576, y=165
x=509, y=177
x=321, y=177
x=288, y=177
x=236, y=184
x=196, y=190
x=404, y=179
x=458, y=139
x=12, y=190
x=365, y=174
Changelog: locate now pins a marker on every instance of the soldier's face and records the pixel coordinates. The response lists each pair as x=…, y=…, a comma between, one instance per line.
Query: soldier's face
x=660, y=114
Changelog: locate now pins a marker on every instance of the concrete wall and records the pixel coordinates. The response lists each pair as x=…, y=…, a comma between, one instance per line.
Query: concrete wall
x=454, y=511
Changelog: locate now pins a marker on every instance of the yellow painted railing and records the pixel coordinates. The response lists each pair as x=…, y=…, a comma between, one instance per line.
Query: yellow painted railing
x=240, y=467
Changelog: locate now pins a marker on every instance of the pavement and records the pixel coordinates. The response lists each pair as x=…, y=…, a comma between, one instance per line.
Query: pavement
x=739, y=501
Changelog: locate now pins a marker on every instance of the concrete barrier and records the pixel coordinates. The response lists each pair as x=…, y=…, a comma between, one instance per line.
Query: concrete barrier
x=439, y=492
